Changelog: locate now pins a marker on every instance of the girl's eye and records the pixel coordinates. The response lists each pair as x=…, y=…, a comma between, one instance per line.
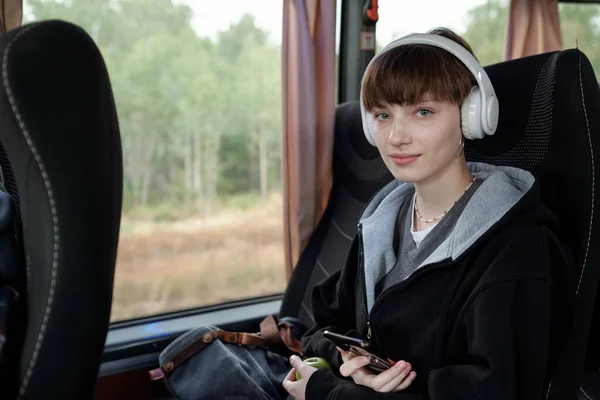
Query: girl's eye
x=424, y=112
x=381, y=116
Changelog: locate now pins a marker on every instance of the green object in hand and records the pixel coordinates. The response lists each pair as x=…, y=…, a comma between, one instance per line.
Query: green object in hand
x=317, y=362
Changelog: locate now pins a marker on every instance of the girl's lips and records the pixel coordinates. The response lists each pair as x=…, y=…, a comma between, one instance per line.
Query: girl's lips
x=403, y=160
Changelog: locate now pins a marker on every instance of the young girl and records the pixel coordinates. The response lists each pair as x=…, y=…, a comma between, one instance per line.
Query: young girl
x=457, y=272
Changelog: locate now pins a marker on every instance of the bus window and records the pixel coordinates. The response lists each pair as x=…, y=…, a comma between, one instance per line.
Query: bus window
x=483, y=23
x=198, y=92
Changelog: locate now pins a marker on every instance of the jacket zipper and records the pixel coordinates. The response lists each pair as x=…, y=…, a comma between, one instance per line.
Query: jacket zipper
x=361, y=265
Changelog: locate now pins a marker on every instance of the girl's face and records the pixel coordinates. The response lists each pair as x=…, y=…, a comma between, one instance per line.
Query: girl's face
x=418, y=142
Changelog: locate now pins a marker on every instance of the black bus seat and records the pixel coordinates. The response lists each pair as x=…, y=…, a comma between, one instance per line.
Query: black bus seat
x=62, y=165
x=548, y=126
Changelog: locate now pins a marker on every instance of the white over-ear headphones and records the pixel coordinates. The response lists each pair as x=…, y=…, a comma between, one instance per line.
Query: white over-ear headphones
x=479, y=111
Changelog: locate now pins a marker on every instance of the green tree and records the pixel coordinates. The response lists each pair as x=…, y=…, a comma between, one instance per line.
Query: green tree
x=253, y=68
x=486, y=30
x=199, y=118
x=139, y=40
x=579, y=27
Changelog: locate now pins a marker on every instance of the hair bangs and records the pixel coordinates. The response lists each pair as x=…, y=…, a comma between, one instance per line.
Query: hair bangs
x=409, y=74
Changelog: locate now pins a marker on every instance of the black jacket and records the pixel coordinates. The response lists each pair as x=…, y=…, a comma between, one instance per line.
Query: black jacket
x=488, y=325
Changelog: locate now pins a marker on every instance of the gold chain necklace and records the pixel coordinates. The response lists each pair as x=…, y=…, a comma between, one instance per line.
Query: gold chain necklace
x=428, y=221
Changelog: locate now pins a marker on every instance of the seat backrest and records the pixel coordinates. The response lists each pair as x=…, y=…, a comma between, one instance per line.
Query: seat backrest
x=358, y=172
x=58, y=125
x=549, y=125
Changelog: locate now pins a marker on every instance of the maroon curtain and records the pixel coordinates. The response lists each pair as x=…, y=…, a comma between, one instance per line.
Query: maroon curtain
x=533, y=28
x=308, y=64
x=11, y=15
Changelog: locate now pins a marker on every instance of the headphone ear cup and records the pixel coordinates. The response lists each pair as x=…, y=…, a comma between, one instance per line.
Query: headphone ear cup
x=470, y=115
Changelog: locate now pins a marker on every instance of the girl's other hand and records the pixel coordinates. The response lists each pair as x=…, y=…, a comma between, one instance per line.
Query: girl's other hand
x=394, y=379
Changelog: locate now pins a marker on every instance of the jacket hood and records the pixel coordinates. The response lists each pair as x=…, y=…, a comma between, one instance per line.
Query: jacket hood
x=500, y=190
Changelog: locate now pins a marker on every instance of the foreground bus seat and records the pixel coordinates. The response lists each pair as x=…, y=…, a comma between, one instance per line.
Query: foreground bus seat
x=548, y=125
x=358, y=172
x=58, y=126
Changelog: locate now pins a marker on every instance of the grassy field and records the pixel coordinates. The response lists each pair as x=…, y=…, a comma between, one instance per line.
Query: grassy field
x=233, y=254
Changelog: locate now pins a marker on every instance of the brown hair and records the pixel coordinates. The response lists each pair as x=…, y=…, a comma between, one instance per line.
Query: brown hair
x=405, y=74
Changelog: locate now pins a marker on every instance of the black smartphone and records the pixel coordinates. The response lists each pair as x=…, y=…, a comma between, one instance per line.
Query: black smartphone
x=358, y=347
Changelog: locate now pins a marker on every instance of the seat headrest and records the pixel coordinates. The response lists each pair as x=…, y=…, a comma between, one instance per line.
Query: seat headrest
x=348, y=124
x=356, y=164
x=352, y=152
x=549, y=126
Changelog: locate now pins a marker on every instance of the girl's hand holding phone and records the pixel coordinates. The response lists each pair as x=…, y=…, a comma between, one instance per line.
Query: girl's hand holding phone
x=394, y=379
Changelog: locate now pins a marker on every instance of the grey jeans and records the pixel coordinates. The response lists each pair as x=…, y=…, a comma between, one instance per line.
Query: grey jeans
x=225, y=371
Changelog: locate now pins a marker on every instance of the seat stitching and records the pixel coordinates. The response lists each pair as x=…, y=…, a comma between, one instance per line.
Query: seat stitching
x=549, y=387
x=585, y=394
x=344, y=234
x=307, y=311
x=44, y=173
x=323, y=268
x=593, y=177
